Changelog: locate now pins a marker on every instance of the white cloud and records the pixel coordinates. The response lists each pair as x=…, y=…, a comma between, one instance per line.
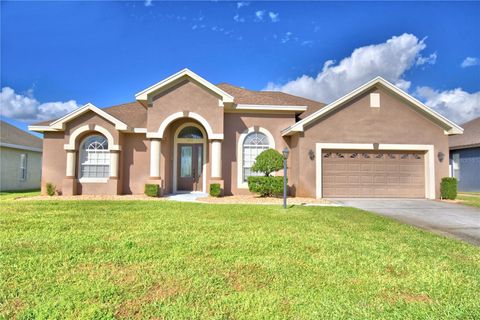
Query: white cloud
x=275, y=17
x=457, y=104
x=259, y=14
x=470, y=62
x=237, y=18
x=287, y=37
x=307, y=43
x=431, y=59
x=148, y=3
x=390, y=59
x=26, y=108
x=242, y=4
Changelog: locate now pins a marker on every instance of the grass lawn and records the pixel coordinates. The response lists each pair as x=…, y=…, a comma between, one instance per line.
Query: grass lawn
x=141, y=259
x=11, y=195
x=470, y=198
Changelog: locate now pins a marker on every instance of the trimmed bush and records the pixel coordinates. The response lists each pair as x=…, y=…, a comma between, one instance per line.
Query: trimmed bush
x=215, y=190
x=50, y=189
x=152, y=190
x=268, y=161
x=448, y=188
x=266, y=186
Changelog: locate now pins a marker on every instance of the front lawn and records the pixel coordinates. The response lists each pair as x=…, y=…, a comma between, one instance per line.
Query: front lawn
x=141, y=259
x=470, y=198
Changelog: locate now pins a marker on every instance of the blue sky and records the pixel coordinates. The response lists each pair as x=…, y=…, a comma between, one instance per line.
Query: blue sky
x=56, y=56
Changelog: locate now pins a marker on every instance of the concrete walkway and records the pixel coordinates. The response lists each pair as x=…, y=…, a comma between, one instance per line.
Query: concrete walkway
x=186, y=197
x=449, y=219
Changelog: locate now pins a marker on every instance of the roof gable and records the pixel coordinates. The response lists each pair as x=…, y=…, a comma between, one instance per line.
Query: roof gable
x=177, y=77
x=59, y=124
x=447, y=125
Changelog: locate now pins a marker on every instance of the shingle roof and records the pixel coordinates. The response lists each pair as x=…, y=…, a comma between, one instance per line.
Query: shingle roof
x=470, y=136
x=135, y=115
x=245, y=96
x=13, y=136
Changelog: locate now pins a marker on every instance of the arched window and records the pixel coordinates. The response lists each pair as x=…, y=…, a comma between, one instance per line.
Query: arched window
x=190, y=133
x=94, y=157
x=253, y=145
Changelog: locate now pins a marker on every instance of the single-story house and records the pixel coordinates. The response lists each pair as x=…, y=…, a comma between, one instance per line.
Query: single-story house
x=465, y=156
x=184, y=133
x=20, y=159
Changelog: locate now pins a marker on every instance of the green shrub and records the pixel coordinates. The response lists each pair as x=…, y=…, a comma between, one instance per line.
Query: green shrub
x=448, y=188
x=215, y=190
x=268, y=161
x=266, y=186
x=50, y=189
x=152, y=190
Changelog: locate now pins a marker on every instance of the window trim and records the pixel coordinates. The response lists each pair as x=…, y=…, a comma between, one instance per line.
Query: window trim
x=81, y=150
x=241, y=140
x=23, y=166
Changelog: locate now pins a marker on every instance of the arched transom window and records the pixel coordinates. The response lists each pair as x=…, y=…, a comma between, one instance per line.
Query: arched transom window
x=94, y=157
x=253, y=145
x=190, y=133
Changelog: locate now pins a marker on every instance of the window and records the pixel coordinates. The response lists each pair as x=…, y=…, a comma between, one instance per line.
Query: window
x=23, y=167
x=94, y=157
x=190, y=133
x=254, y=144
x=456, y=165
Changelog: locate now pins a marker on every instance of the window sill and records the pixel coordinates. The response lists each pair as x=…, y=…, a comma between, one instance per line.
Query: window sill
x=93, y=180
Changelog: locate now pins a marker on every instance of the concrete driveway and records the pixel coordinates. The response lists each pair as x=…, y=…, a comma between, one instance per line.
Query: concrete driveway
x=448, y=219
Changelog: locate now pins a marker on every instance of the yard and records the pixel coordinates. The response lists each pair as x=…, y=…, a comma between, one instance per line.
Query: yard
x=162, y=259
x=470, y=198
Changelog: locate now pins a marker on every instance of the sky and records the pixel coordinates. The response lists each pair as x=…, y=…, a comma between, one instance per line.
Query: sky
x=57, y=56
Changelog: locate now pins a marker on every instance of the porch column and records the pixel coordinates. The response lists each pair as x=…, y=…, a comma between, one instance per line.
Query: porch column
x=155, y=158
x=114, y=160
x=71, y=157
x=217, y=159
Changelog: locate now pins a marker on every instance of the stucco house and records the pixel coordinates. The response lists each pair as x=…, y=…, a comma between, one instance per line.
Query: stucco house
x=185, y=133
x=20, y=159
x=465, y=156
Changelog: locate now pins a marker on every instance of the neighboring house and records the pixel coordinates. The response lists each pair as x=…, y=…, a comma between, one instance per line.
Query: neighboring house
x=20, y=159
x=185, y=133
x=465, y=156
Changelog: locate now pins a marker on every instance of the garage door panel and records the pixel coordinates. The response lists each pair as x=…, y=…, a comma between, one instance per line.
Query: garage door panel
x=373, y=174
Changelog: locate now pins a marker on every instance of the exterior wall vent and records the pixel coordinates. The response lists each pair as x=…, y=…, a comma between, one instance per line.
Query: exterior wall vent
x=375, y=100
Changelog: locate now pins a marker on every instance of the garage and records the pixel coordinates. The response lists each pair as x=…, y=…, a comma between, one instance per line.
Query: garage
x=366, y=173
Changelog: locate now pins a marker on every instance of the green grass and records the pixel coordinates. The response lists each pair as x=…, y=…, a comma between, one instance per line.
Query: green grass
x=142, y=259
x=11, y=195
x=470, y=198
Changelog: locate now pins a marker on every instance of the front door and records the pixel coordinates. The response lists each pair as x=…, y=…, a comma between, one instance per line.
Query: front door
x=189, y=167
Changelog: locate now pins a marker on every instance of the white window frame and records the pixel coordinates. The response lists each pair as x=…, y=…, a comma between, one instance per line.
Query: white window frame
x=271, y=145
x=80, y=162
x=23, y=166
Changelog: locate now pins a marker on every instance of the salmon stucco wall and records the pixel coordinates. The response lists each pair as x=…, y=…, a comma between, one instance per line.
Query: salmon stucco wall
x=395, y=122
x=235, y=125
x=187, y=96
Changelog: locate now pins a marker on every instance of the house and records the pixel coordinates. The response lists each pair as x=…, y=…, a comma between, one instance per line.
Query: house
x=20, y=159
x=465, y=156
x=184, y=133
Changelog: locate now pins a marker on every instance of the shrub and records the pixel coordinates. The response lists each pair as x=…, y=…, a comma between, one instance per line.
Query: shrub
x=448, y=188
x=152, y=190
x=50, y=189
x=215, y=190
x=268, y=161
x=266, y=186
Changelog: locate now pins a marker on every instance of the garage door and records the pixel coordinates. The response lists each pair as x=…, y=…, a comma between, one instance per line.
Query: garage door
x=373, y=174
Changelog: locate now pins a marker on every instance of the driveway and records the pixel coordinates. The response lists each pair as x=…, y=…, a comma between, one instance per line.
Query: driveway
x=448, y=219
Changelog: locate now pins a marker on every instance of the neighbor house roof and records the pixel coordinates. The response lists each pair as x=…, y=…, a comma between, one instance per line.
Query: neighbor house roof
x=251, y=97
x=12, y=137
x=469, y=138
x=447, y=125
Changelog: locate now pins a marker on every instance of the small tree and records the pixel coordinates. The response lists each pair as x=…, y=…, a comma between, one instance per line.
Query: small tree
x=268, y=161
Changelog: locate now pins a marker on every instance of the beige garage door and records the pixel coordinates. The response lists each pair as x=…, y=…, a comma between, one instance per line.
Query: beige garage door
x=373, y=174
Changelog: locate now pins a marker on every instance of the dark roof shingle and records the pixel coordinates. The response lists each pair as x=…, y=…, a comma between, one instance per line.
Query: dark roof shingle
x=12, y=135
x=470, y=136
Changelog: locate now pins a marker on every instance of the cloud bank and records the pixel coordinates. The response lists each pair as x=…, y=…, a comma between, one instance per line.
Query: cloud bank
x=28, y=109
